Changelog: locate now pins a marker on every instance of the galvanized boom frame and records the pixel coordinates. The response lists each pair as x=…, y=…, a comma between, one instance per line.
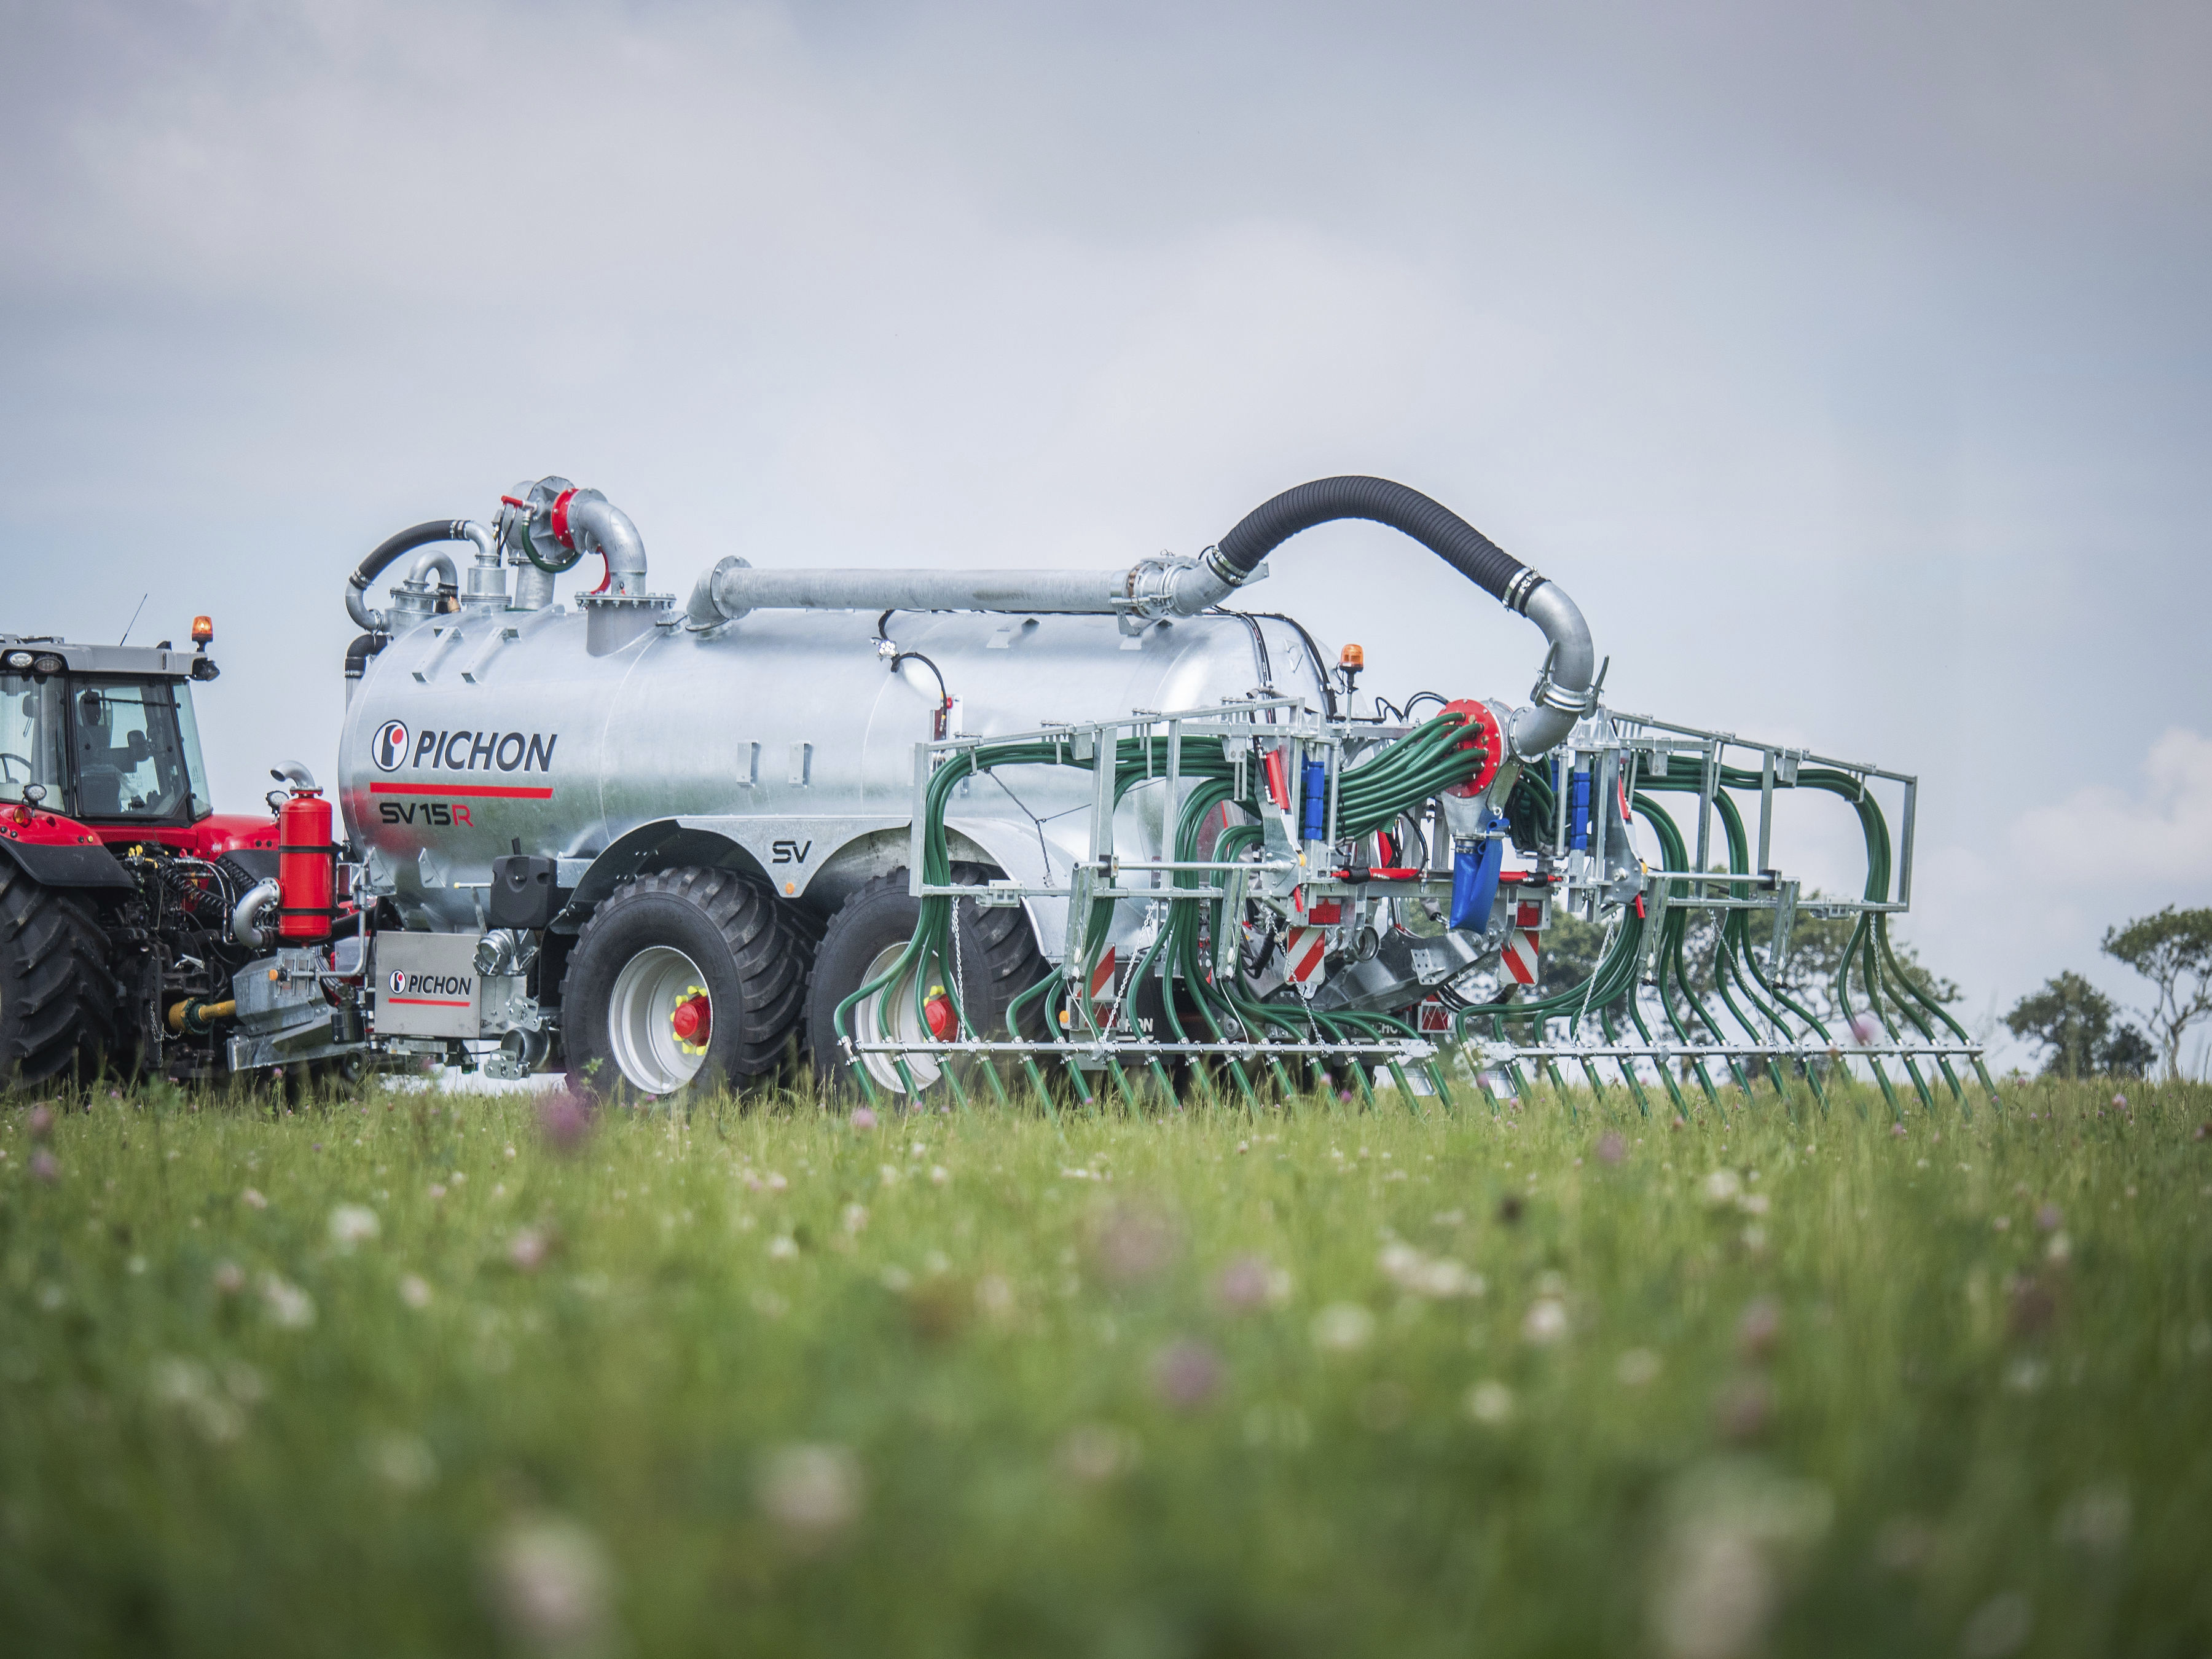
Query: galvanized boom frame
x=1609, y=769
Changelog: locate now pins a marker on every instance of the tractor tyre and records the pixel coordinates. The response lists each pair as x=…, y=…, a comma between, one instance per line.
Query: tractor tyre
x=688, y=978
x=998, y=960
x=64, y=1014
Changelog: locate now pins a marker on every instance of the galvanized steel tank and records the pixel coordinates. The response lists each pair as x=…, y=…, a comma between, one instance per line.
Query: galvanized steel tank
x=623, y=737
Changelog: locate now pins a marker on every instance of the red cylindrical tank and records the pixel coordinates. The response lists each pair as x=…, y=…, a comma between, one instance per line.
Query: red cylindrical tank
x=307, y=867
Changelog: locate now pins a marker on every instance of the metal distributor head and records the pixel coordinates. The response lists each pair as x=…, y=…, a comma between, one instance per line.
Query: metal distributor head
x=526, y=524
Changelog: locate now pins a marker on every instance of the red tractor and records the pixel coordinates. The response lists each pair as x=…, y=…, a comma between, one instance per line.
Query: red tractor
x=126, y=901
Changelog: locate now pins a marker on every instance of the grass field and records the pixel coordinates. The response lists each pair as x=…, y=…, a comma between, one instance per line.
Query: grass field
x=413, y=1374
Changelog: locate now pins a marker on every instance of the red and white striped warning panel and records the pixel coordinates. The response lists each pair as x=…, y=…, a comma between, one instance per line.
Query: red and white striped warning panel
x=1519, y=962
x=1304, y=948
x=1435, y=1016
x=1101, y=975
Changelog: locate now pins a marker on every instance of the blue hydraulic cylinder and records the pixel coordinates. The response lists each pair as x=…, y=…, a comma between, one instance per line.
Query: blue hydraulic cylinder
x=1314, y=817
x=1476, y=861
x=1578, y=811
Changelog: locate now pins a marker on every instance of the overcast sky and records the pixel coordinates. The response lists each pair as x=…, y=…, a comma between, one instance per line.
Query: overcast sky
x=1850, y=364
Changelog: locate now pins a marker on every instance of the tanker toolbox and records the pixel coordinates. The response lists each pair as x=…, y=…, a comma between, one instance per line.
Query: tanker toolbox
x=427, y=985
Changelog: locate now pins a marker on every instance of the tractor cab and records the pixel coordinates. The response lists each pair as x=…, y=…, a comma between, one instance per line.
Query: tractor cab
x=105, y=735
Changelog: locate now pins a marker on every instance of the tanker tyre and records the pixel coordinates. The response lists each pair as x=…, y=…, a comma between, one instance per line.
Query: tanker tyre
x=999, y=960
x=63, y=1013
x=688, y=978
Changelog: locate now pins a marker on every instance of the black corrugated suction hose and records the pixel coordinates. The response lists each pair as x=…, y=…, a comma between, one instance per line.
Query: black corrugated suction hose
x=421, y=535
x=357, y=654
x=1436, y=526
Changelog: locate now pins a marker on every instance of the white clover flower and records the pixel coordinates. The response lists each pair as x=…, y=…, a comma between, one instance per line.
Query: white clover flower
x=1342, y=1328
x=1092, y=1452
x=552, y=1583
x=1546, y=1321
x=1437, y=1277
x=811, y=1492
x=1490, y=1402
x=402, y=1461
x=353, y=1224
x=1636, y=1368
x=994, y=1296
x=287, y=1305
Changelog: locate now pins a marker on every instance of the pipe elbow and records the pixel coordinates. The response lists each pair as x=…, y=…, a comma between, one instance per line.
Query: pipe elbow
x=246, y=916
x=1562, y=693
x=1202, y=583
x=432, y=559
x=481, y=537
x=713, y=603
x=369, y=621
x=597, y=525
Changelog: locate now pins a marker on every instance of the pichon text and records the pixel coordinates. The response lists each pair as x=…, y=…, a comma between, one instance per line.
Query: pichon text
x=463, y=750
x=432, y=985
x=467, y=752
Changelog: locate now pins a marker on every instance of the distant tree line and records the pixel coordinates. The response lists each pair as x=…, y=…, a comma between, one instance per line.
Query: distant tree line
x=2079, y=1027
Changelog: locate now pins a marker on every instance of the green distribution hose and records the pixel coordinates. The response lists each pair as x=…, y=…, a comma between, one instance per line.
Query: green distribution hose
x=1882, y=977
x=1371, y=795
x=1374, y=795
x=1745, y=990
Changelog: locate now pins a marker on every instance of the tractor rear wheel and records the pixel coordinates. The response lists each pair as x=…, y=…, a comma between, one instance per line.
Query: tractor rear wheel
x=998, y=960
x=689, y=977
x=63, y=1009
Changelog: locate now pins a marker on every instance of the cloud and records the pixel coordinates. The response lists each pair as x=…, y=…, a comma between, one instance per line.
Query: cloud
x=2145, y=842
x=2004, y=915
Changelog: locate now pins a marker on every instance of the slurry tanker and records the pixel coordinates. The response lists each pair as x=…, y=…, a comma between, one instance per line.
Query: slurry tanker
x=990, y=834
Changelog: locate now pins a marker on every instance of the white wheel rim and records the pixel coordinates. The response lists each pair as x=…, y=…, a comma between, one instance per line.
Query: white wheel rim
x=904, y=1025
x=642, y=1019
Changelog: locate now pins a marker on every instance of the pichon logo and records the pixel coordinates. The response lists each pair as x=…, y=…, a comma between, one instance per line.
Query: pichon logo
x=389, y=746
x=394, y=746
x=431, y=985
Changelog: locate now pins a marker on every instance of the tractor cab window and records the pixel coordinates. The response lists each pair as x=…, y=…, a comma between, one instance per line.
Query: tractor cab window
x=31, y=747
x=137, y=750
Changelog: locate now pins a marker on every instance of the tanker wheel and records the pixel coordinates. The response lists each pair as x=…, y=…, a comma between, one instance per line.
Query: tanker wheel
x=63, y=1009
x=999, y=959
x=687, y=977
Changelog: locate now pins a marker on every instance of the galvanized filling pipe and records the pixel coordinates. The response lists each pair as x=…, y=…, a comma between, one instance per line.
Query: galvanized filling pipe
x=1155, y=588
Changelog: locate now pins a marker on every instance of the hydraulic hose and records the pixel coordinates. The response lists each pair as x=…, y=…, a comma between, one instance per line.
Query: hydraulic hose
x=1561, y=695
x=429, y=533
x=364, y=646
x=1436, y=526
